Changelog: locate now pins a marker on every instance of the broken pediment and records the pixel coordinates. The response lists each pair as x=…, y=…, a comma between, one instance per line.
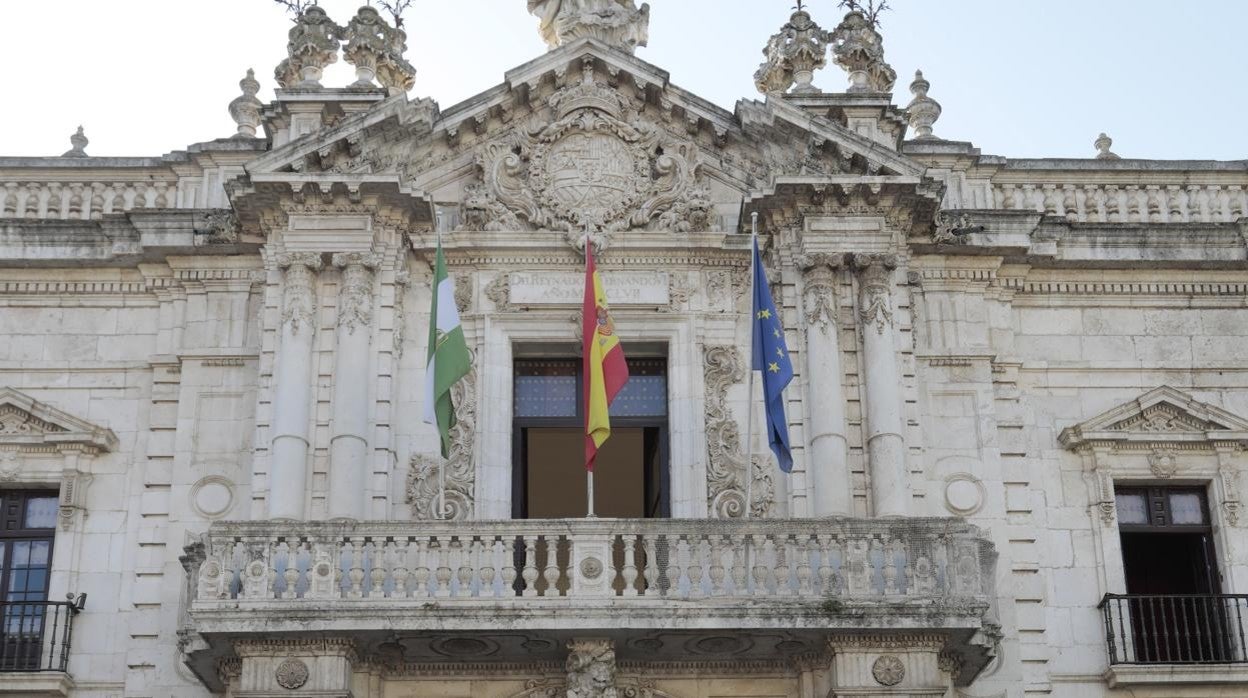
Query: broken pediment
x=584, y=138
x=25, y=421
x=1163, y=414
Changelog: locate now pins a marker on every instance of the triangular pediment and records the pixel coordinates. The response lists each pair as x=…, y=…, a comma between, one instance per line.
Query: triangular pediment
x=26, y=421
x=584, y=136
x=1163, y=414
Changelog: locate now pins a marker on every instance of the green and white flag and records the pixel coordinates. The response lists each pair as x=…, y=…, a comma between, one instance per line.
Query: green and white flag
x=448, y=354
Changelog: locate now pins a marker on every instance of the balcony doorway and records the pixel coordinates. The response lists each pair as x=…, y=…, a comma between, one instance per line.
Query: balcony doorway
x=548, y=443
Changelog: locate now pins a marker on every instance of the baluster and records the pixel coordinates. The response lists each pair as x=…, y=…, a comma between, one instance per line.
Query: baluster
x=695, y=566
x=805, y=548
x=825, y=564
x=530, y=566
x=401, y=571
x=377, y=575
x=650, y=585
x=782, y=565
x=738, y=543
x=759, y=552
x=673, y=565
x=290, y=575
x=421, y=576
x=890, y=568
x=630, y=564
x=509, y=565
x=485, y=565
x=356, y=573
x=551, y=573
x=464, y=575
x=272, y=551
x=717, y=564
x=442, y=575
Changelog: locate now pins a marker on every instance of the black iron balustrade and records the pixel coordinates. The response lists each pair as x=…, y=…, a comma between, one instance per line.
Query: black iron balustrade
x=1175, y=628
x=35, y=635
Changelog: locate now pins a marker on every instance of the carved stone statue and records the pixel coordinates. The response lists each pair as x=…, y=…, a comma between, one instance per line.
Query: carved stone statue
x=591, y=669
x=793, y=55
x=859, y=49
x=313, y=45
x=376, y=50
x=617, y=23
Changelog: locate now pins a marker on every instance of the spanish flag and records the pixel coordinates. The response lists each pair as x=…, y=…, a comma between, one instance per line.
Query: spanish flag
x=605, y=369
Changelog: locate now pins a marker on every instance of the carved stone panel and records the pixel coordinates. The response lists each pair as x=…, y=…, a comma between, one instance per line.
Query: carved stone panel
x=725, y=467
x=424, y=479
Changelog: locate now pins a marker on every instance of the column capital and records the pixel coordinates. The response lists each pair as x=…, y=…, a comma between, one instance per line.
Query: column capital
x=369, y=260
x=874, y=262
x=814, y=262
x=308, y=260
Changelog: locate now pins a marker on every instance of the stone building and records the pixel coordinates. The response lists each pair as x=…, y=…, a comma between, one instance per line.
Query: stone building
x=1019, y=420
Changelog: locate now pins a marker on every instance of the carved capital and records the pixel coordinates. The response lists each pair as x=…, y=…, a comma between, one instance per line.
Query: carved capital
x=875, y=273
x=355, y=297
x=299, y=295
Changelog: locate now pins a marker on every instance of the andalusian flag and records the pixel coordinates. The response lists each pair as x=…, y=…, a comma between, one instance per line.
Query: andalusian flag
x=448, y=353
x=605, y=369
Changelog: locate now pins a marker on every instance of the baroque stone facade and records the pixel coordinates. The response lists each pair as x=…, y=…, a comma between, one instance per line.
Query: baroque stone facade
x=213, y=368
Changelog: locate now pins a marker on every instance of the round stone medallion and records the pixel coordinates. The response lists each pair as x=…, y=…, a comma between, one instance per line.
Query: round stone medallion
x=292, y=674
x=212, y=496
x=888, y=670
x=591, y=568
x=964, y=494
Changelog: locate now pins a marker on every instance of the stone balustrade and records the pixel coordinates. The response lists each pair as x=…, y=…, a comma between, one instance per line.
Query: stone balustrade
x=87, y=200
x=1133, y=203
x=633, y=562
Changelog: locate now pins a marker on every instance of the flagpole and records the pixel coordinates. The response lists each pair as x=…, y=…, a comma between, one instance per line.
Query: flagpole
x=749, y=412
x=589, y=473
x=437, y=229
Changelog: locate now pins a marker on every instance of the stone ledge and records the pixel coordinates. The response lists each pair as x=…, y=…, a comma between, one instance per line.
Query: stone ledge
x=35, y=684
x=1177, y=675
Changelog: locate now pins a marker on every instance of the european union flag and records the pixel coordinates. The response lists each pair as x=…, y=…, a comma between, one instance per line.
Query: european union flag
x=771, y=357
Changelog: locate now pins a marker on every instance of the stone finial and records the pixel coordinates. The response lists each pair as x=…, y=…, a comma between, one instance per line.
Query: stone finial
x=859, y=49
x=617, y=23
x=79, y=141
x=793, y=55
x=1102, y=144
x=245, y=108
x=922, y=111
x=376, y=50
x=313, y=44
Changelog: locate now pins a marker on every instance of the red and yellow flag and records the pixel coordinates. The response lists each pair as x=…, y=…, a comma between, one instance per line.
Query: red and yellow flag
x=605, y=369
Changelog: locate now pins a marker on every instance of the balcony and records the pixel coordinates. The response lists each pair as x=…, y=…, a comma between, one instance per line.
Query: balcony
x=34, y=646
x=670, y=588
x=1175, y=638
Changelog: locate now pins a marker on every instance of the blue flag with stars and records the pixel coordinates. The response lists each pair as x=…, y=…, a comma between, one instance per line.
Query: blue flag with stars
x=771, y=357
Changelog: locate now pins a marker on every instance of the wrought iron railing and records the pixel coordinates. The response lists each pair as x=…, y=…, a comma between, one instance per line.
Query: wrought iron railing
x=35, y=635
x=1175, y=628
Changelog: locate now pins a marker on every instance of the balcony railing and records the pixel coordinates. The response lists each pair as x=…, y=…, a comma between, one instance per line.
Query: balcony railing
x=35, y=635
x=1175, y=628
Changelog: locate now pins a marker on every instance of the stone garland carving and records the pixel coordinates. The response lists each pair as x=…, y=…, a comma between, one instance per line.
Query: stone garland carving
x=499, y=291
x=355, y=299
x=422, y=474
x=401, y=279
x=793, y=55
x=313, y=45
x=725, y=467
x=594, y=170
x=1230, y=490
x=298, y=296
x=617, y=23
x=887, y=670
x=292, y=674
x=818, y=289
x=876, y=280
x=9, y=464
x=1163, y=462
x=591, y=669
x=463, y=293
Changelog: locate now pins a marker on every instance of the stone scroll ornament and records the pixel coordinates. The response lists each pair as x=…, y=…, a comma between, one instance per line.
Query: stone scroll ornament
x=598, y=167
x=422, y=474
x=723, y=367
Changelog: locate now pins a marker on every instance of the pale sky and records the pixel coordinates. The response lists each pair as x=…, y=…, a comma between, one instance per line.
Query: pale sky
x=1017, y=78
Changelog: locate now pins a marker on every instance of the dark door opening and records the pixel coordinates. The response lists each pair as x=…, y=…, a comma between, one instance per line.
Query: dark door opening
x=631, y=471
x=1172, y=577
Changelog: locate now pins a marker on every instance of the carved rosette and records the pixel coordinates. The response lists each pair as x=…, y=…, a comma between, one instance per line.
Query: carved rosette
x=299, y=295
x=596, y=169
x=888, y=670
x=723, y=367
x=423, y=480
x=355, y=298
x=591, y=669
x=818, y=289
x=291, y=674
x=875, y=287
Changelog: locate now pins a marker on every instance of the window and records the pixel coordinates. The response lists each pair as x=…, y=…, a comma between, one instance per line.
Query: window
x=27, y=527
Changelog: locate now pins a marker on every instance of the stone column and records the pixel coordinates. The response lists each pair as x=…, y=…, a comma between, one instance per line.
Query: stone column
x=288, y=472
x=827, y=466
x=886, y=449
x=348, y=447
